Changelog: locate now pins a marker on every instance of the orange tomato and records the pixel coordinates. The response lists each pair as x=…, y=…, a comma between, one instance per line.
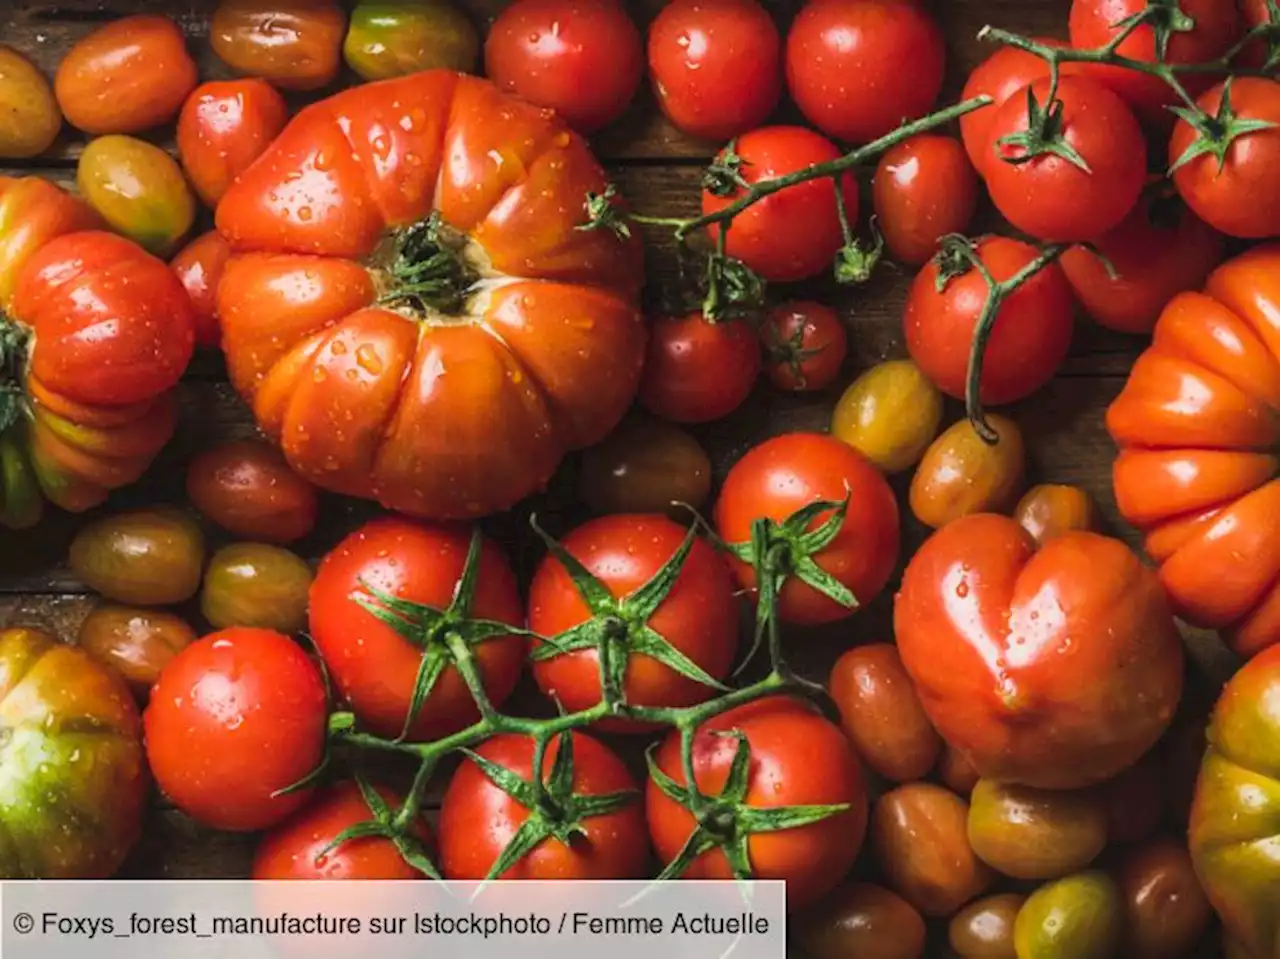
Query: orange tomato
x=198, y=266
x=296, y=44
x=225, y=126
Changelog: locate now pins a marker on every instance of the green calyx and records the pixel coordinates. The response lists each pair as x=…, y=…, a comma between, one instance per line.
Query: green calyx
x=1044, y=136
x=856, y=260
x=1217, y=134
x=21, y=500
x=1269, y=33
x=14, y=405
x=724, y=177
x=385, y=824
x=427, y=273
x=732, y=289
x=603, y=213
x=790, y=353
x=1165, y=17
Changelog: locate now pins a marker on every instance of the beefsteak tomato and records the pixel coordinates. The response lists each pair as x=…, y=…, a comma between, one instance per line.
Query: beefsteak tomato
x=412, y=310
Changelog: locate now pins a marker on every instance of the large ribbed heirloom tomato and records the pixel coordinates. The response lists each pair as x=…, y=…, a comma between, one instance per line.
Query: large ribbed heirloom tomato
x=1198, y=426
x=413, y=311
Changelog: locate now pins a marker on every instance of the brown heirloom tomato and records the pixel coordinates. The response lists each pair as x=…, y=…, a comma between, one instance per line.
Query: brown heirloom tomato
x=136, y=643
x=127, y=76
x=224, y=126
x=253, y=584
x=75, y=780
x=29, y=115
x=984, y=928
x=1166, y=911
x=106, y=331
x=355, y=322
x=889, y=414
x=296, y=44
x=246, y=487
x=863, y=920
x=147, y=557
x=961, y=474
x=198, y=267
x=1197, y=428
x=1051, y=510
x=646, y=466
x=1056, y=668
x=139, y=190
x=1036, y=833
x=392, y=38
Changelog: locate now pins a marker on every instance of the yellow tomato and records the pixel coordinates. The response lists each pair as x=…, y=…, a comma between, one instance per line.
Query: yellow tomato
x=962, y=474
x=139, y=190
x=890, y=414
x=29, y=114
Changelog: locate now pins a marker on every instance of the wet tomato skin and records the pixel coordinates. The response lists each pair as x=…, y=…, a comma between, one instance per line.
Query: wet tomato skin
x=697, y=370
x=296, y=44
x=224, y=126
x=30, y=119
x=924, y=189
x=198, y=267
x=247, y=488
x=136, y=643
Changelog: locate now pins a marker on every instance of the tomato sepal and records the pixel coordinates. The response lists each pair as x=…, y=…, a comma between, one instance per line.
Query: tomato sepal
x=856, y=261
x=385, y=824
x=427, y=272
x=604, y=213
x=1043, y=135
x=1165, y=17
x=723, y=177
x=1269, y=33
x=1217, y=134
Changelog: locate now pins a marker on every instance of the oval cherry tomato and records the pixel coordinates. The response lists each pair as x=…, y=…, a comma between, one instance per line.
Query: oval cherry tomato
x=224, y=126
x=139, y=190
x=127, y=76
x=923, y=190
x=795, y=233
x=805, y=344
x=136, y=643
x=1004, y=73
x=890, y=414
x=246, y=487
x=143, y=557
x=715, y=66
x=859, y=919
x=984, y=928
x=1032, y=330
x=29, y=116
x=296, y=44
x=788, y=473
x=1166, y=912
x=1057, y=199
x=646, y=466
x=234, y=718
x=198, y=267
x=392, y=39
x=582, y=58
x=1051, y=510
x=253, y=584
x=698, y=370
x=847, y=65
x=1036, y=833
x=961, y=474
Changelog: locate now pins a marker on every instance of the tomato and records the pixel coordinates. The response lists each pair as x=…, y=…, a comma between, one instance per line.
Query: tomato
x=1032, y=331
x=29, y=116
x=136, y=643
x=1050, y=196
x=715, y=66
x=198, y=267
x=128, y=75
x=111, y=335
x=1156, y=254
x=486, y=805
x=1166, y=912
x=253, y=584
x=860, y=919
x=234, y=718
x=671, y=639
x=1260, y=51
x=646, y=466
x=1078, y=915
x=1234, y=195
x=393, y=38
x=847, y=65
x=378, y=616
x=224, y=126
x=806, y=345
x=582, y=58
x=1036, y=833
x=302, y=847
x=143, y=557
x=962, y=474
x=790, y=472
x=1198, y=479
x=924, y=189
x=795, y=233
x=296, y=44
x=542, y=364
x=984, y=928
x=890, y=414
x=698, y=370
x=246, y=487
x=1055, y=668
x=139, y=190
x=797, y=759
x=1004, y=73
x=1051, y=510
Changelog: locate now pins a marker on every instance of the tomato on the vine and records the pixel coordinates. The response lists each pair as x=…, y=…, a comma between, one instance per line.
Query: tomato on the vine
x=224, y=126
x=805, y=345
x=795, y=233
x=697, y=370
x=924, y=189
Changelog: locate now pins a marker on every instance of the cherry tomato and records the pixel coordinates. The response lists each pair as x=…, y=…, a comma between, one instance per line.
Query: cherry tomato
x=143, y=557
x=1051, y=510
x=924, y=188
x=29, y=116
x=956, y=772
x=890, y=414
x=253, y=584
x=805, y=343
x=697, y=370
x=296, y=44
x=715, y=66
x=139, y=190
x=136, y=643
x=795, y=233
x=1057, y=199
x=582, y=58
x=234, y=718
x=198, y=267
x=1256, y=13
x=858, y=68
x=788, y=473
x=1004, y=73
x=393, y=38
x=1032, y=330
x=224, y=126
x=646, y=466
x=859, y=919
x=962, y=474
x=246, y=487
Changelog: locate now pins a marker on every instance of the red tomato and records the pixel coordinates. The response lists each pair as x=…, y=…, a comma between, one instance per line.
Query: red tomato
x=1032, y=330
x=234, y=718
x=224, y=126
x=715, y=66
x=198, y=266
x=924, y=188
x=370, y=655
x=694, y=623
x=1256, y=13
x=697, y=370
x=479, y=819
x=795, y=233
x=788, y=473
x=1000, y=76
x=798, y=758
x=1241, y=194
x=1051, y=197
x=858, y=68
x=582, y=58
x=805, y=343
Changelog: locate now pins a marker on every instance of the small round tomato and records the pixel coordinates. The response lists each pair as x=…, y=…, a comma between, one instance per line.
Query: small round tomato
x=1051, y=510
x=1166, y=910
x=139, y=190
x=890, y=414
x=296, y=44
x=962, y=474
x=247, y=488
x=376, y=654
x=1239, y=194
x=1079, y=916
x=143, y=558
x=789, y=473
x=234, y=718
x=1004, y=73
x=393, y=38
x=29, y=115
x=984, y=928
x=1032, y=331
x=480, y=820
x=797, y=759
x=715, y=66
x=646, y=466
x=224, y=126
x=302, y=847
x=859, y=919
x=136, y=643
x=253, y=584
x=582, y=58
x=198, y=267
x=795, y=233
x=1051, y=196
x=674, y=642
x=924, y=189
x=698, y=370
x=1036, y=833
x=805, y=344
x=127, y=76
x=858, y=68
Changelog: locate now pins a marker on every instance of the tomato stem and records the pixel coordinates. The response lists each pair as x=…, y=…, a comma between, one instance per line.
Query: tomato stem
x=428, y=273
